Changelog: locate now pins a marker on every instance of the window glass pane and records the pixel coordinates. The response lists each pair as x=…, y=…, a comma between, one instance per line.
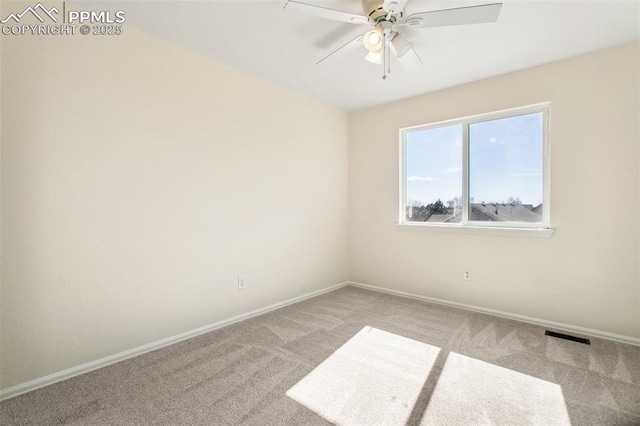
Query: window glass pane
x=505, y=169
x=434, y=175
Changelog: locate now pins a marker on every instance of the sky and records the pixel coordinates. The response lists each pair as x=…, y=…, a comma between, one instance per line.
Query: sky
x=505, y=160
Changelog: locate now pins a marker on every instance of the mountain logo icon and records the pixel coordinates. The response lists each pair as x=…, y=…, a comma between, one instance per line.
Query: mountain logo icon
x=38, y=11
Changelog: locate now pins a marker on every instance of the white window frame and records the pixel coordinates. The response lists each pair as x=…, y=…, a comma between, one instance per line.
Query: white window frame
x=520, y=228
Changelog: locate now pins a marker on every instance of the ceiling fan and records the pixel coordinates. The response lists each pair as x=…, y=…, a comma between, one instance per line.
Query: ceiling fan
x=388, y=18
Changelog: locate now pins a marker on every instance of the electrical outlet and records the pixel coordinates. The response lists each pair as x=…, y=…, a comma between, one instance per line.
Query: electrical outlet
x=467, y=275
x=241, y=283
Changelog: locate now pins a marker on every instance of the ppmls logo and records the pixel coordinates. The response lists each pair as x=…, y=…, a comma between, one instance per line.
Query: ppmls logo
x=41, y=20
x=33, y=11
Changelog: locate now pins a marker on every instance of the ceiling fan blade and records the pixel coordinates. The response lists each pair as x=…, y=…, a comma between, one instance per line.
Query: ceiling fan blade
x=485, y=13
x=410, y=60
x=326, y=13
x=342, y=50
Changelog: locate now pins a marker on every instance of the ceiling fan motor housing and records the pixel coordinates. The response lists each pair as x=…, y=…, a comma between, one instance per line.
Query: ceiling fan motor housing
x=375, y=11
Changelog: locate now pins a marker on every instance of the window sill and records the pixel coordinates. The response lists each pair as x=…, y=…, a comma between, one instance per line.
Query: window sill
x=485, y=230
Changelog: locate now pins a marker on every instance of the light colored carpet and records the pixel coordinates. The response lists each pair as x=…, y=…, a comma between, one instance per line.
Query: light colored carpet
x=472, y=392
x=374, y=378
x=239, y=375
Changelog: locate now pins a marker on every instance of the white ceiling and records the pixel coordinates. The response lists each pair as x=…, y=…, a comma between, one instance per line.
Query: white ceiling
x=283, y=46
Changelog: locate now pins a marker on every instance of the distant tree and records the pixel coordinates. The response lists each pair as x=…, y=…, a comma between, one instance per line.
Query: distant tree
x=418, y=212
x=455, y=202
x=513, y=200
x=437, y=208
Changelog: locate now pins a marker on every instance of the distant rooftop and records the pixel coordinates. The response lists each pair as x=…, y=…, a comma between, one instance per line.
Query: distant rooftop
x=497, y=212
x=489, y=212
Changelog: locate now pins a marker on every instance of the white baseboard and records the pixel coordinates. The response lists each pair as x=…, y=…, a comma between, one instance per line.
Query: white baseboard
x=112, y=359
x=531, y=320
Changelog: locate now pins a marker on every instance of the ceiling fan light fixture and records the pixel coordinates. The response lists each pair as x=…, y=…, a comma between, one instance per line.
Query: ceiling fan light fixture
x=374, y=57
x=400, y=45
x=373, y=40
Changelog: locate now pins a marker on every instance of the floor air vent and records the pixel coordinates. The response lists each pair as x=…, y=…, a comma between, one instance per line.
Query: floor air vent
x=567, y=337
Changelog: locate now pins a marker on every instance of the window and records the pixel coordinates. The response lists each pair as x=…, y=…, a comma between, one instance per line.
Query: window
x=489, y=170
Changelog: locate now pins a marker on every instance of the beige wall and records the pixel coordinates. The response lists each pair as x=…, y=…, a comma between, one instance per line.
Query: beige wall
x=138, y=181
x=587, y=273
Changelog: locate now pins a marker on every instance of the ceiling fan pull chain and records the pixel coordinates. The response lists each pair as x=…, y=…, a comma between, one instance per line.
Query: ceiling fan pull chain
x=388, y=55
x=385, y=55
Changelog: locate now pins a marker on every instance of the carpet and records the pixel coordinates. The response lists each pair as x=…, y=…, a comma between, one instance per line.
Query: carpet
x=240, y=374
x=473, y=392
x=374, y=378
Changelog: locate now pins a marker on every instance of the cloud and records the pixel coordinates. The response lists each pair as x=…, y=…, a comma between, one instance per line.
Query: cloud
x=422, y=178
x=495, y=140
x=452, y=170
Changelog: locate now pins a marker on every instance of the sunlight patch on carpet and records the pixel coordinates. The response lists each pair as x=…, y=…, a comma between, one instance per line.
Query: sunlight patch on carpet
x=374, y=378
x=473, y=392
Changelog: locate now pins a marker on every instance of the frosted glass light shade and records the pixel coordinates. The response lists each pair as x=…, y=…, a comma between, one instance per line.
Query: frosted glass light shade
x=372, y=40
x=401, y=45
x=374, y=57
